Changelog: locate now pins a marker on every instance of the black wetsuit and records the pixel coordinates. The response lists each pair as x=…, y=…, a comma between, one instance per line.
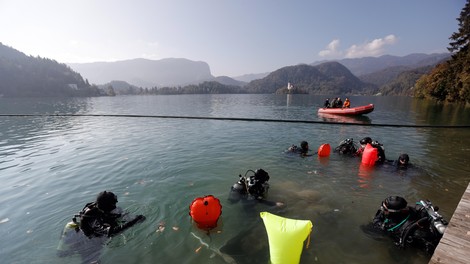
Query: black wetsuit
x=96, y=223
x=239, y=192
x=298, y=150
x=381, y=155
x=89, y=234
x=339, y=103
x=411, y=228
x=347, y=147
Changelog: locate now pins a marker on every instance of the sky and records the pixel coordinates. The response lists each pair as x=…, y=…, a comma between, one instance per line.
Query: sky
x=235, y=37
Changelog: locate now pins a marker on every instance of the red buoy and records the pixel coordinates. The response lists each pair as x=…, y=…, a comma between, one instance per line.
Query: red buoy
x=370, y=155
x=324, y=150
x=205, y=211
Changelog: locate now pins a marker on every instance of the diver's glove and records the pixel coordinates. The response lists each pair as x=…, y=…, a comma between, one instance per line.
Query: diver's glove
x=139, y=218
x=118, y=229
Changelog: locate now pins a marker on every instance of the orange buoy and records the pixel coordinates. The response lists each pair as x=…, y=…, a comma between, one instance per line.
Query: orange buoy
x=370, y=155
x=324, y=150
x=205, y=211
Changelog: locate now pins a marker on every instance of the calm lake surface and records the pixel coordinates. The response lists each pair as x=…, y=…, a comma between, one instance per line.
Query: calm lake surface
x=51, y=166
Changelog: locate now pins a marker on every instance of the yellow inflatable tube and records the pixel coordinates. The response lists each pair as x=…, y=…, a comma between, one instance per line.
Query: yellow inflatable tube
x=286, y=237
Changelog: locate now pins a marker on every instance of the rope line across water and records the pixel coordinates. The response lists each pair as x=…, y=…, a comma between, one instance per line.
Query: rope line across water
x=238, y=119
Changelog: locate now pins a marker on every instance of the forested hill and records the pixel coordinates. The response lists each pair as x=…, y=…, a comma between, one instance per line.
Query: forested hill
x=27, y=76
x=450, y=81
x=326, y=78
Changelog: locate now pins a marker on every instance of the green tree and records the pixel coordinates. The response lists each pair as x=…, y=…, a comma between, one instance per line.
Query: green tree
x=460, y=39
x=451, y=82
x=110, y=91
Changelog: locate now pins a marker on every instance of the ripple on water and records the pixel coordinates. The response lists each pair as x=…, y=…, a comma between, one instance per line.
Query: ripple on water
x=51, y=167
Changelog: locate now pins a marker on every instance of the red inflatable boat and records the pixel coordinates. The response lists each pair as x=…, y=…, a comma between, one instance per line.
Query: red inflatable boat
x=359, y=110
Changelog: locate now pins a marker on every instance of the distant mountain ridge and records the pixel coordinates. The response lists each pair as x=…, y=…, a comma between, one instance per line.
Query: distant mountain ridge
x=23, y=75
x=250, y=77
x=174, y=72
x=146, y=73
x=367, y=65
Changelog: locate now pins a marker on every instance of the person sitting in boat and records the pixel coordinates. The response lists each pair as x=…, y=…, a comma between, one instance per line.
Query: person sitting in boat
x=403, y=161
x=302, y=150
x=347, y=103
x=363, y=142
x=347, y=147
x=419, y=226
x=251, y=188
x=333, y=103
x=339, y=102
x=327, y=103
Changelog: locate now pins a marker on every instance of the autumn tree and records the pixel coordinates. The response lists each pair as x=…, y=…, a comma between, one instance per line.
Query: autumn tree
x=450, y=81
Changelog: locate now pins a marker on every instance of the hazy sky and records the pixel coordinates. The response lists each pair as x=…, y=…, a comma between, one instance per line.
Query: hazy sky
x=234, y=37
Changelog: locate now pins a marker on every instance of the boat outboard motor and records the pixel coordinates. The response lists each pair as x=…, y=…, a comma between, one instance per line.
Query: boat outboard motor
x=435, y=218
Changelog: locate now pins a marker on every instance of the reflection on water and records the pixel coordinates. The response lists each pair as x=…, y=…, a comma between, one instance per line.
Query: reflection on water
x=51, y=166
x=289, y=100
x=360, y=119
x=431, y=113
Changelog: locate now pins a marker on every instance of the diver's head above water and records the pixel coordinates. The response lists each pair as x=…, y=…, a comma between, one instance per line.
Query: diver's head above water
x=106, y=201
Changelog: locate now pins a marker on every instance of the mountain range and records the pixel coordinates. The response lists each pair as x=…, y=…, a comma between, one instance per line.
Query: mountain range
x=368, y=65
x=33, y=76
x=146, y=73
x=173, y=72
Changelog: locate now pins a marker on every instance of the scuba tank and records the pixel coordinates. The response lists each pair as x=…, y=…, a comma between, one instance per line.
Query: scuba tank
x=238, y=190
x=435, y=218
x=240, y=185
x=72, y=235
x=73, y=238
x=434, y=225
x=347, y=146
x=69, y=238
x=258, y=183
x=255, y=185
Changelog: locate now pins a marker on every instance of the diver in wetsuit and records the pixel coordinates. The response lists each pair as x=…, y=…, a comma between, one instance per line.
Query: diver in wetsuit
x=252, y=188
x=380, y=152
x=419, y=226
x=363, y=142
x=97, y=218
x=250, y=246
x=380, y=149
x=96, y=222
x=347, y=147
x=302, y=150
x=402, y=162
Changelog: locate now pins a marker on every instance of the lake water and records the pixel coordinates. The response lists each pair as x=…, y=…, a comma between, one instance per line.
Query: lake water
x=52, y=165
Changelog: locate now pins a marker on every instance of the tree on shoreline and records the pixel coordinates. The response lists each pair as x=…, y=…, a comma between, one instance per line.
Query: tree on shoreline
x=450, y=81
